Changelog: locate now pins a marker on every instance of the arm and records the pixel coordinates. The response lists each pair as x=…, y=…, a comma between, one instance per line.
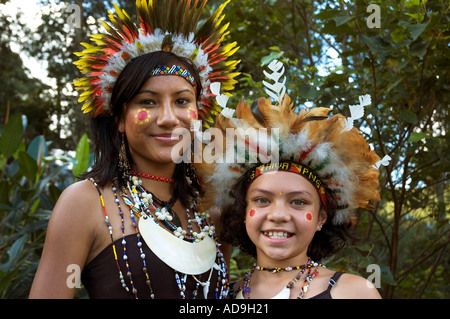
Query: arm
x=354, y=287
x=70, y=235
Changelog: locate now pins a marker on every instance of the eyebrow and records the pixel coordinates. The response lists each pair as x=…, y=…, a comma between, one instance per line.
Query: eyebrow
x=157, y=93
x=289, y=193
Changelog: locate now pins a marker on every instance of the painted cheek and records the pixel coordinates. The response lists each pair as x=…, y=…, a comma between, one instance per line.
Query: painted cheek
x=252, y=212
x=308, y=217
x=143, y=116
x=192, y=113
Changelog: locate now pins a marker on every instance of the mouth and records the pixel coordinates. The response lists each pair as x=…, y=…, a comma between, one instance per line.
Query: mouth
x=166, y=137
x=277, y=234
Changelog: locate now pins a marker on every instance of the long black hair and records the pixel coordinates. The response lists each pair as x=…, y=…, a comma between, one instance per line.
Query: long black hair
x=105, y=134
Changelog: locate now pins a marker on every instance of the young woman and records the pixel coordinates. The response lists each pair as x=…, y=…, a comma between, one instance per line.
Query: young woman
x=131, y=229
x=294, y=212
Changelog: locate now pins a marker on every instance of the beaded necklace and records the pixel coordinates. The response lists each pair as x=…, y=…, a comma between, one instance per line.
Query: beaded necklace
x=140, y=202
x=154, y=177
x=245, y=284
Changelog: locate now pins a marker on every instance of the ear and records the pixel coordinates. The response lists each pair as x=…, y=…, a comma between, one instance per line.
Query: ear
x=121, y=126
x=322, y=218
x=121, y=121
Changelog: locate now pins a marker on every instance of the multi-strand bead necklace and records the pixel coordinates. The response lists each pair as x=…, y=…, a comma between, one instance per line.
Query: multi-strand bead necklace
x=245, y=284
x=142, y=202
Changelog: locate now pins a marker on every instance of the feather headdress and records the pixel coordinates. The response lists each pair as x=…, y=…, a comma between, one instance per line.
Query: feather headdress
x=336, y=151
x=169, y=26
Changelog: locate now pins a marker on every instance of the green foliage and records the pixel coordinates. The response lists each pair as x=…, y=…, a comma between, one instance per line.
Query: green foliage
x=31, y=182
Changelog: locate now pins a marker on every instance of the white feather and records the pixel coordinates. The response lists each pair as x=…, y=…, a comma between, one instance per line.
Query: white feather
x=357, y=111
x=277, y=89
x=384, y=161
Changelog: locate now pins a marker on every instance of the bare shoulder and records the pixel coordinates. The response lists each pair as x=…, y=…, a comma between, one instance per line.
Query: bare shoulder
x=69, y=240
x=85, y=190
x=79, y=208
x=351, y=286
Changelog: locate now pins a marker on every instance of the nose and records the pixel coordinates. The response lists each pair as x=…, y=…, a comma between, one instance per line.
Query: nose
x=279, y=213
x=167, y=115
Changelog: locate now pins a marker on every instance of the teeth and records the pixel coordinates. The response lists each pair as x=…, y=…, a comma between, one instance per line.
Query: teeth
x=276, y=234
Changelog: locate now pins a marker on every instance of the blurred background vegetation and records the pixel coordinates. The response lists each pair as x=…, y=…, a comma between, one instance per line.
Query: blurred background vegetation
x=332, y=53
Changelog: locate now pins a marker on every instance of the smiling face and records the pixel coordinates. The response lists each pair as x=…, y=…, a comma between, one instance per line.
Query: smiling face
x=163, y=104
x=282, y=215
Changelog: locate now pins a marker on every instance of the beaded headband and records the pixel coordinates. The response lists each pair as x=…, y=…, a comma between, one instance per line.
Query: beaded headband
x=291, y=167
x=174, y=70
x=167, y=26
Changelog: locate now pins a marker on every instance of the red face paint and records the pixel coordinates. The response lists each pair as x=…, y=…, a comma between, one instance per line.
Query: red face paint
x=252, y=213
x=192, y=113
x=308, y=216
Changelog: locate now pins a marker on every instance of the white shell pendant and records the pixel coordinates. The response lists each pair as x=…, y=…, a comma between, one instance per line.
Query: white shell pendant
x=185, y=257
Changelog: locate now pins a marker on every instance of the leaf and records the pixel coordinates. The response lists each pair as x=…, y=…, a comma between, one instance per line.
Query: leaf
x=13, y=253
x=408, y=116
x=340, y=20
x=27, y=166
x=398, y=35
x=81, y=156
x=54, y=192
x=417, y=136
x=11, y=136
x=376, y=45
x=418, y=48
x=417, y=29
x=272, y=56
x=4, y=192
x=38, y=149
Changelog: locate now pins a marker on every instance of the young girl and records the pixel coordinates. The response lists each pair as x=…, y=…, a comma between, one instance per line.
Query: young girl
x=132, y=227
x=292, y=213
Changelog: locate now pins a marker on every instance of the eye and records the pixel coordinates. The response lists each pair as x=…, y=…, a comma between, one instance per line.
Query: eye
x=182, y=101
x=147, y=102
x=261, y=200
x=298, y=202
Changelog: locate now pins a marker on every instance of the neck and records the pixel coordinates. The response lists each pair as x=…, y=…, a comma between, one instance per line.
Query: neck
x=265, y=261
x=163, y=190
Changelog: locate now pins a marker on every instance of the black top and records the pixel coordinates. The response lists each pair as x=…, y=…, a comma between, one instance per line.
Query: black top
x=326, y=294
x=101, y=277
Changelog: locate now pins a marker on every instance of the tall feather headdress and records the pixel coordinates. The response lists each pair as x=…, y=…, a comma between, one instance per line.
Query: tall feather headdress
x=335, y=150
x=167, y=25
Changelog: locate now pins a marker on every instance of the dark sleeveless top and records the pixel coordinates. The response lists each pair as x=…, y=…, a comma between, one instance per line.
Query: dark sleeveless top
x=326, y=294
x=101, y=277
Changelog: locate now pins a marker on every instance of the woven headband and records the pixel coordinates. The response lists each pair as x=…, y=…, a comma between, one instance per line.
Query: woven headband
x=174, y=70
x=296, y=168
